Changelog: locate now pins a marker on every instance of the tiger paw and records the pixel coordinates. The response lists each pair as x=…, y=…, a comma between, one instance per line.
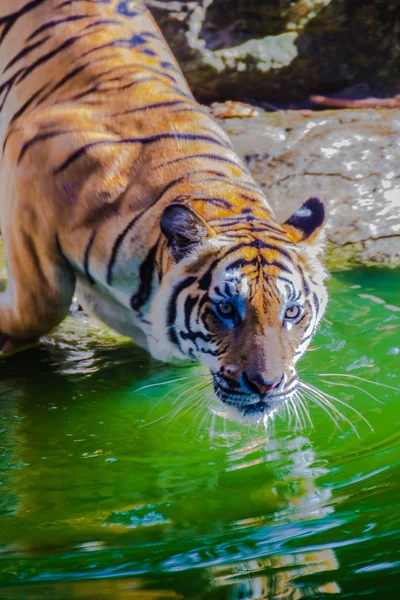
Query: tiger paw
x=9, y=345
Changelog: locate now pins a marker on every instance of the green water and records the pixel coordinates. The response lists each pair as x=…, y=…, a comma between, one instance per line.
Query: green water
x=110, y=493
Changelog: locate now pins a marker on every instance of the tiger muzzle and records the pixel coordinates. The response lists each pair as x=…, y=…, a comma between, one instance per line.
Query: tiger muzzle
x=255, y=393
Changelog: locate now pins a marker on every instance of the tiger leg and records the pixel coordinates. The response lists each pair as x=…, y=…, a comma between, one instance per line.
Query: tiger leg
x=40, y=281
x=38, y=294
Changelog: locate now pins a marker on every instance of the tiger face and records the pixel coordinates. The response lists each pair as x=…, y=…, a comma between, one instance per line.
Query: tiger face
x=247, y=307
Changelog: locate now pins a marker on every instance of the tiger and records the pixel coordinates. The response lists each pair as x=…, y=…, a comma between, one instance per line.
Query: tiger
x=116, y=185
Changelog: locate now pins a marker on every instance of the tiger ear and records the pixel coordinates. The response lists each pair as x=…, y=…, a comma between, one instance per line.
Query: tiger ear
x=184, y=230
x=306, y=222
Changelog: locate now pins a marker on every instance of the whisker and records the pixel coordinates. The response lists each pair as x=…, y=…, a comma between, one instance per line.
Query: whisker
x=187, y=390
x=296, y=414
x=289, y=413
x=150, y=385
x=390, y=387
x=305, y=409
x=201, y=424
x=170, y=416
x=317, y=397
x=195, y=400
x=211, y=432
x=323, y=407
x=324, y=397
x=202, y=408
x=187, y=403
x=343, y=403
x=168, y=393
x=351, y=385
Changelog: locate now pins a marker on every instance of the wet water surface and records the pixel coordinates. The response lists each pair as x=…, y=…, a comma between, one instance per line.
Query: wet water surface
x=114, y=487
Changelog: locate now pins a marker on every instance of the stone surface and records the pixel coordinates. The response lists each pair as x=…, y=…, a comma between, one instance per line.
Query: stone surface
x=283, y=50
x=348, y=158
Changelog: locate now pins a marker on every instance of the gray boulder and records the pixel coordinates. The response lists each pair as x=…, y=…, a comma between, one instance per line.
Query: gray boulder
x=348, y=158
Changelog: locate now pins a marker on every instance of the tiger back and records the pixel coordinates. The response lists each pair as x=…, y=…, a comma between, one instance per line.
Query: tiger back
x=115, y=182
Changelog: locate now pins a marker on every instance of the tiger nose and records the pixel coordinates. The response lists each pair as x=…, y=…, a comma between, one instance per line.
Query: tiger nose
x=259, y=385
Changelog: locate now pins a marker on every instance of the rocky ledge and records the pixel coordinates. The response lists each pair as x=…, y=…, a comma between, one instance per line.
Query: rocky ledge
x=283, y=51
x=348, y=158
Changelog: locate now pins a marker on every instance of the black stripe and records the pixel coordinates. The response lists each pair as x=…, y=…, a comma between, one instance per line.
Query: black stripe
x=117, y=245
x=316, y=302
x=286, y=280
x=69, y=2
x=66, y=78
x=246, y=221
x=9, y=134
x=205, y=281
x=168, y=65
x=191, y=110
x=214, y=200
x=248, y=198
x=97, y=76
x=129, y=44
x=305, y=339
x=240, y=184
x=39, y=138
x=188, y=307
x=24, y=52
x=213, y=157
x=47, y=57
x=34, y=255
x=158, y=72
x=145, y=140
x=118, y=43
x=85, y=93
x=27, y=104
x=55, y=22
x=240, y=262
x=102, y=22
x=151, y=34
x=244, y=231
x=265, y=246
x=203, y=301
x=120, y=238
x=136, y=82
x=220, y=174
x=189, y=95
x=172, y=308
x=193, y=336
x=86, y=257
x=60, y=250
x=98, y=85
x=303, y=279
x=149, y=106
x=146, y=277
x=241, y=218
x=11, y=19
x=7, y=85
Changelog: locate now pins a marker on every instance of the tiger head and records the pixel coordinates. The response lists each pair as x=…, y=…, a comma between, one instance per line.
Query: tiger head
x=245, y=305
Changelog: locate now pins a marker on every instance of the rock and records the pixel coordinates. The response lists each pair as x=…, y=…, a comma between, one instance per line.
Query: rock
x=282, y=50
x=348, y=158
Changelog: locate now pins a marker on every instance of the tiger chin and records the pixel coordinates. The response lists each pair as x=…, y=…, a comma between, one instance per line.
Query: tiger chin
x=117, y=185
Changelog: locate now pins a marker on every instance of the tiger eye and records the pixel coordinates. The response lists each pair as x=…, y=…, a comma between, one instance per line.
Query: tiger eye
x=226, y=308
x=292, y=312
